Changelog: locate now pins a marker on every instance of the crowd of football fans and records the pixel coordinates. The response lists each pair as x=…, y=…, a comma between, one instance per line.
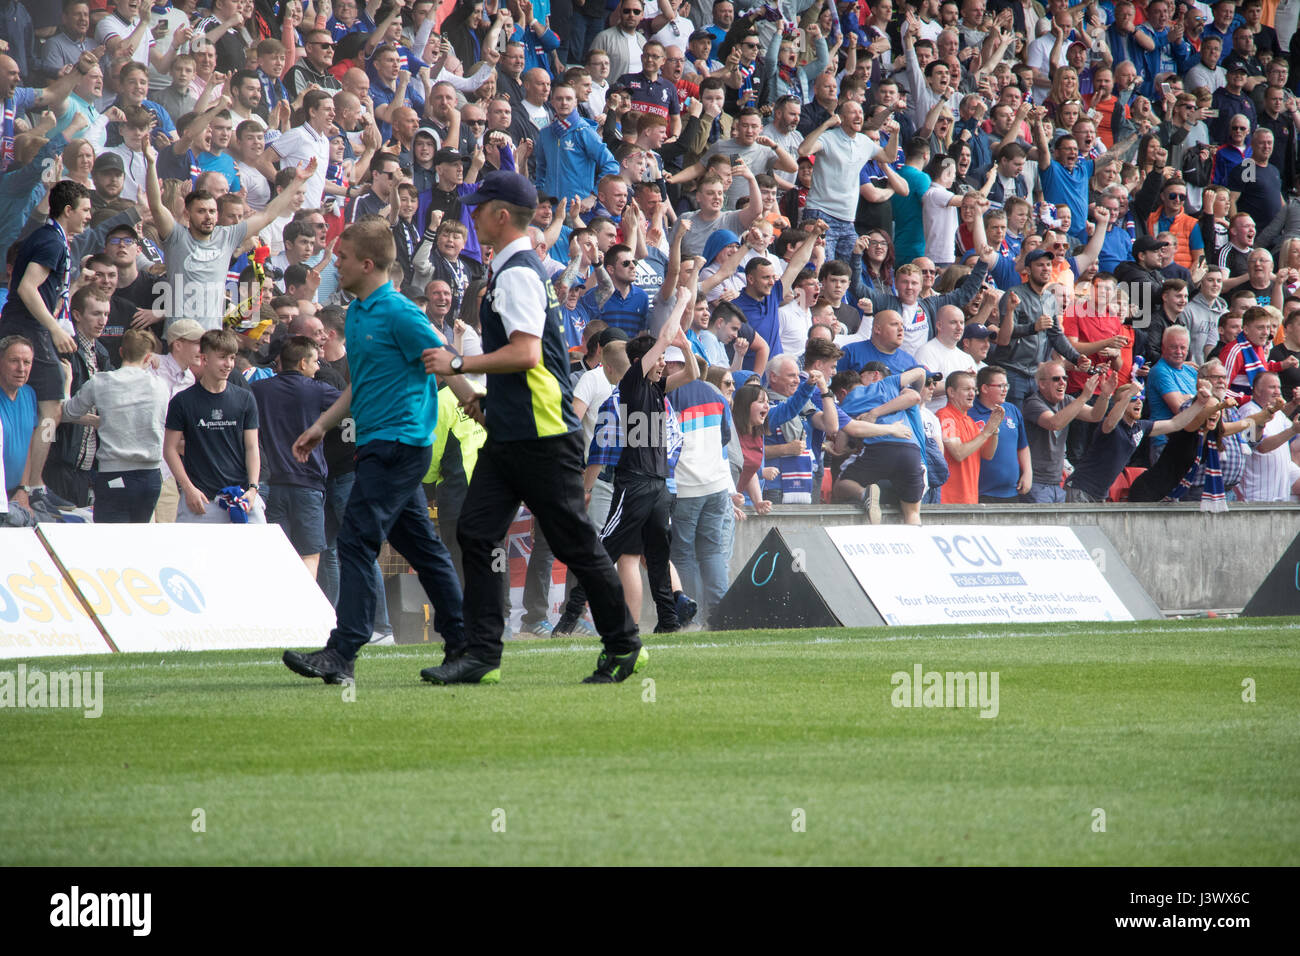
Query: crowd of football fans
x=936, y=252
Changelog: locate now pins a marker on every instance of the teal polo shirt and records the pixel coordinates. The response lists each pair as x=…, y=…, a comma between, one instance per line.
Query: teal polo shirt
x=393, y=398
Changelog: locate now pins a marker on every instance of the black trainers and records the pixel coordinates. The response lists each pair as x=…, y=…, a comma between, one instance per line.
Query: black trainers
x=565, y=625
x=327, y=664
x=614, y=668
x=463, y=670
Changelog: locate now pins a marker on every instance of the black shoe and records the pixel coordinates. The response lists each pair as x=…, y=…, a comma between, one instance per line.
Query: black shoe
x=463, y=670
x=565, y=625
x=686, y=608
x=327, y=664
x=451, y=655
x=613, y=668
x=667, y=627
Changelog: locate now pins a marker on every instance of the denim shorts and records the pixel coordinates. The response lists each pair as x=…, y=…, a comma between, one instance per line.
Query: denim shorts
x=301, y=513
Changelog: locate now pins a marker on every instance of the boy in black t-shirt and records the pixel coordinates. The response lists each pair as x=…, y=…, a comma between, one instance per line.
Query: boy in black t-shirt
x=219, y=427
x=639, y=517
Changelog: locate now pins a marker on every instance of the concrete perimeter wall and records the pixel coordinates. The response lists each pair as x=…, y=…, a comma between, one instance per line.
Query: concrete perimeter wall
x=1186, y=560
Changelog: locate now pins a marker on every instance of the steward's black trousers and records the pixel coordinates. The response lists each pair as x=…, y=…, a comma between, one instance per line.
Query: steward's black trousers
x=546, y=475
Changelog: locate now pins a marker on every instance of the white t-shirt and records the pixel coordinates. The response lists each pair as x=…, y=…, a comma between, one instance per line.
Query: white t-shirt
x=937, y=357
x=257, y=190
x=916, y=328
x=940, y=225
x=175, y=19
x=112, y=26
x=593, y=388
x=676, y=32
x=298, y=147
x=1039, y=52
x=795, y=322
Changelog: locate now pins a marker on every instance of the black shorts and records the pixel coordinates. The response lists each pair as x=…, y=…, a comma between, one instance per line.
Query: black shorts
x=639, y=517
x=46, y=379
x=895, y=462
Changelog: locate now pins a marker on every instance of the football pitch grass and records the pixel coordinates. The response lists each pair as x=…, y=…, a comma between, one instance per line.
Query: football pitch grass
x=750, y=747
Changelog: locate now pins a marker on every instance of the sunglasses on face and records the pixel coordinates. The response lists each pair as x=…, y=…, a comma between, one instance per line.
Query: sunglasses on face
x=123, y=241
x=1056, y=378
x=1177, y=197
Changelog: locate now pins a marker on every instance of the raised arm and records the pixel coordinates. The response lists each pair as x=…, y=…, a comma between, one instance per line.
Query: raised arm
x=162, y=217
x=282, y=203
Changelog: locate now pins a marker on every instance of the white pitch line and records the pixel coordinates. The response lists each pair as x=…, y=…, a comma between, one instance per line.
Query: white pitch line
x=549, y=648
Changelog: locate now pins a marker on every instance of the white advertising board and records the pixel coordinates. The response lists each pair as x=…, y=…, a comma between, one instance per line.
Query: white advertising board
x=39, y=614
x=946, y=574
x=187, y=587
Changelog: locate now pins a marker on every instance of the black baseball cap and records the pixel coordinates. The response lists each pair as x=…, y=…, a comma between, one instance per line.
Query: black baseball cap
x=974, y=330
x=610, y=334
x=1036, y=255
x=447, y=155
x=504, y=187
x=1149, y=244
x=109, y=162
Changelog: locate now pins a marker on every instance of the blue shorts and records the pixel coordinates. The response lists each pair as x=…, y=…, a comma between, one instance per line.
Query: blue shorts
x=301, y=513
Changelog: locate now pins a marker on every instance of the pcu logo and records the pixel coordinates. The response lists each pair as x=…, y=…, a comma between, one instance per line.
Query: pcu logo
x=182, y=589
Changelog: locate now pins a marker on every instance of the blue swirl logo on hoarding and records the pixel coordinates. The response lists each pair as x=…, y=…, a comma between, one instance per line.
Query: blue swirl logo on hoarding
x=182, y=589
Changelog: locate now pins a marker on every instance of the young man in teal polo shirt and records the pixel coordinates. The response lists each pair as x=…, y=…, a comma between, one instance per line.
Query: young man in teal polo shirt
x=394, y=404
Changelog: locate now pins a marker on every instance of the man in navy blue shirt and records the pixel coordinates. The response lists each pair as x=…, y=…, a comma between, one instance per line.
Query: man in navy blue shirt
x=38, y=308
x=287, y=404
x=651, y=93
x=624, y=306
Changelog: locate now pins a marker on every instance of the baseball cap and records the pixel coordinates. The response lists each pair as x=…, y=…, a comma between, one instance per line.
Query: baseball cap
x=184, y=329
x=1148, y=244
x=1237, y=66
x=611, y=334
x=503, y=187
x=1036, y=255
x=700, y=35
x=447, y=155
x=109, y=162
x=975, y=330
x=674, y=354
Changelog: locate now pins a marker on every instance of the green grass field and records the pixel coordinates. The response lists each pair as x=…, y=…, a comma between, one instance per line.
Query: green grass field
x=1145, y=722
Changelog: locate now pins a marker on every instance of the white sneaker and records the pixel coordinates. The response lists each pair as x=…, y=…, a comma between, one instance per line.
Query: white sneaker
x=383, y=640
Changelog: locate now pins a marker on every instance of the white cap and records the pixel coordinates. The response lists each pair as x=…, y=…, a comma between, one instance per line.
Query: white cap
x=674, y=354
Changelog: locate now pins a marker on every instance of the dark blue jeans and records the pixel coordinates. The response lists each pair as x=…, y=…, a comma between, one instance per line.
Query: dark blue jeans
x=337, y=490
x=387, y=502
x=126, y=497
